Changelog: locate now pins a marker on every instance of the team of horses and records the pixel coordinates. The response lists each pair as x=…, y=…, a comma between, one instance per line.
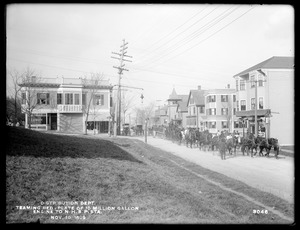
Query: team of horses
x=206, y=141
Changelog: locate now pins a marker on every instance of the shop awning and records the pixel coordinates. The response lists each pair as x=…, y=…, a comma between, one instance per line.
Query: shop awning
x=251, y=113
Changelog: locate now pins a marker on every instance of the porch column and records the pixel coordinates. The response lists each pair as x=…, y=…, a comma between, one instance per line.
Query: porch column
x=46, y=121
x=58, y=121
x=26, y=120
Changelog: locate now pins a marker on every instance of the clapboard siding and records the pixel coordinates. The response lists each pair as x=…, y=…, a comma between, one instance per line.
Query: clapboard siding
x=71, y=123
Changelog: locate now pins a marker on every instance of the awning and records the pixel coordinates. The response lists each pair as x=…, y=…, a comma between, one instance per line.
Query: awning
x=99, y=117
x=251, y=113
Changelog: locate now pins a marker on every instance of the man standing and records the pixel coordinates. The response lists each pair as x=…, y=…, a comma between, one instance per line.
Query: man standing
x=222, y=148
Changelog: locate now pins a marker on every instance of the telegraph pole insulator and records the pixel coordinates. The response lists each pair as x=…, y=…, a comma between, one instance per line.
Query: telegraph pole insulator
x=120, y=68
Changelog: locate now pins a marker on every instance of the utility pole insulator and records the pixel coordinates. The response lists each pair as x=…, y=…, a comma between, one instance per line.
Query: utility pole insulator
x=120, y=72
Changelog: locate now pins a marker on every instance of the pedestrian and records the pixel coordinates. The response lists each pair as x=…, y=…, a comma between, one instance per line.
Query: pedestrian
x=222, y=148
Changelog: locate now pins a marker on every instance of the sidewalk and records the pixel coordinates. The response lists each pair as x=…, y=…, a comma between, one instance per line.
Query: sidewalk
x=271, y=175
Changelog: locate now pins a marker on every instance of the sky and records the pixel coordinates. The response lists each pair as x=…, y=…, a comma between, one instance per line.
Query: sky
x=177, y=46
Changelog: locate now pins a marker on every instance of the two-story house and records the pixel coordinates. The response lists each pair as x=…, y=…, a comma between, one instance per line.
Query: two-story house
x=196, y=108
x=66, y=104
x=274, y=81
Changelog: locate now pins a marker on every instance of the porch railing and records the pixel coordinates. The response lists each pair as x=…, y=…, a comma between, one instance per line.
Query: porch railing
x=69, y=108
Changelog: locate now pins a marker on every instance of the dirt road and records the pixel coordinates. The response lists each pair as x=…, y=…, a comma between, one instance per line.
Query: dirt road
x=271, y=175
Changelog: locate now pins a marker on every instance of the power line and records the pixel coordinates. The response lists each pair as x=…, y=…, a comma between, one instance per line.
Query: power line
x=174, y=31
x=210, y=35
x=168, y=41
x=195, y=34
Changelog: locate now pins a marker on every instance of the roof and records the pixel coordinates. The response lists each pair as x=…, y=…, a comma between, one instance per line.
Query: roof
x=271, y=63
x=55, y=85
x=251, y=113
x=39, y=84
x=220, y=91
x=198, y=96
x=182, y=104
x=173, y=96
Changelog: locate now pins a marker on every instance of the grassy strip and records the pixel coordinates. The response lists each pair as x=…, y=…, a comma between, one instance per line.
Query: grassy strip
x=127, y=173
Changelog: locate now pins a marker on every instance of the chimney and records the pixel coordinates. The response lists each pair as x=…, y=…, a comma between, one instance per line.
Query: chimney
x=199, y=87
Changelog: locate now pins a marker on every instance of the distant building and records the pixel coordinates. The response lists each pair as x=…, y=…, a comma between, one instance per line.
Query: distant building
x=275, y=98
x=182, y=111
x=173, y=102
x=212, y=110
x=61, y=104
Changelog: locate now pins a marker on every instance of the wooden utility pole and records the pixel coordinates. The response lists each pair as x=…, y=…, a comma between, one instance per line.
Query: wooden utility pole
x=121, y=68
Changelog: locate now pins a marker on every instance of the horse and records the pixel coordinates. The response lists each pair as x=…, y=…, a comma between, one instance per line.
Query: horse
x=268, y=144
x=205, y=140
x=231, y=143
x=190, y=137
x=249, y=143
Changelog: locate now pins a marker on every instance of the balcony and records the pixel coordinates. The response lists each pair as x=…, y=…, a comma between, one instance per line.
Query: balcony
x=69, y=108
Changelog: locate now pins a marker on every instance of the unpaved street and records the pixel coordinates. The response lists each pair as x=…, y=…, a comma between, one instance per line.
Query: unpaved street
x=267, y=174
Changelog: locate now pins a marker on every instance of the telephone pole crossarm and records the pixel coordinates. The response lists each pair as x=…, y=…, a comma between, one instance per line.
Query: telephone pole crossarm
x=121, y=68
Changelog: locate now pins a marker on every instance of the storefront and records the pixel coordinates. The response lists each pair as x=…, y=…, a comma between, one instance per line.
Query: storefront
x=247, y=118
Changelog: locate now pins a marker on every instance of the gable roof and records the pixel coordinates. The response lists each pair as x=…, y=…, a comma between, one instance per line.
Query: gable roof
x=271, y=63
x=198, y=96
x=182, y=104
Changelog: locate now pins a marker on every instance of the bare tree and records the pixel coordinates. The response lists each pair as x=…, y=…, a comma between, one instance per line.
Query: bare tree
x=126, y=104
x=92, y=85
x=28, y=83
x=15, y=90
x=143, y=113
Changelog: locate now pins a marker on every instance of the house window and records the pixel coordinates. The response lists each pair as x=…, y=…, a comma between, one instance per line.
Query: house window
x=224, y=98
x=212, y=124
x=243, y=105
x=59, y=98
x=224, y=111
x=242, y=84
x=237, y=85
x=43, y=98
x=237, y=106
x=234, y=98
x=261, y=103
x=252, y=81
x=211, y=98
x=252, y=103
x=23, y=98
x=201, y=109
x=99, y=99
x=239, y=124
x=76, y=99
x=84, y=99
x=260, y=81
x=194, y=110
x=69, y=99
x=224, y=124
x=234, y=111
x=212, y=111
x=38, y=119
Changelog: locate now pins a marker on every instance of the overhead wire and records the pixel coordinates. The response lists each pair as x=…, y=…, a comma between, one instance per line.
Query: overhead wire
x=153, y=44
x=210, y=35
x=194, y=35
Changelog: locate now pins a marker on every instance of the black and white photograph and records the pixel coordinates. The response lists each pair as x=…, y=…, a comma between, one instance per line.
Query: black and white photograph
x=150, y=113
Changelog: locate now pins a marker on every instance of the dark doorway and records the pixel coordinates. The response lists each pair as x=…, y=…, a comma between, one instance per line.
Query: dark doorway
x=53, y=121
x=103, y=126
